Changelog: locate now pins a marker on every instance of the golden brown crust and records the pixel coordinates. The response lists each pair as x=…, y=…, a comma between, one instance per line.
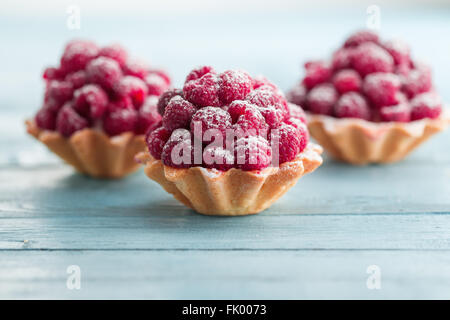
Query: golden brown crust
x=234, y=192
x=362, y=142
x=92, y=152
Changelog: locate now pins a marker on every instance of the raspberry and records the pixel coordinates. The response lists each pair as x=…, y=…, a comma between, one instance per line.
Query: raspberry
x=165, y=98
x=211, y=118
x=203, y=91
x=199, y=72
x=178, y=113
x=134, y=88
x=342, y=58
x=135, y=68
x=156, y=140
x=120, y=103
x=178, y=151
x=399, y=50
x=267, y=96
x=156, y=84
x=162, y=73
x=352, y=105
x=51, y=73
x=291, y=141
x=369, y=58
x=273, y=116
x=297, y=112
x=234, y=85
x=398, y=113
x=417, y=81
x=347, y=80
x=426, y=105
x=119, y=121
x=218, y=158
x=77, y=54
x=252, y=153
x=321, y=99
x=45, y=119
x=68, y=121
x=382, y=88
x=115, y=52
x=247, y=118
x=148, y=116
x=317, y=72
x=105, y=72
x=297, y=95
x=260, y=81
x=59, y=91
x=90, y=101
x=361, y=37
x=77, y=79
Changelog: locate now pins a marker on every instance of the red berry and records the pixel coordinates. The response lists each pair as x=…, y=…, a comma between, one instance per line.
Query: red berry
x=165, y=98
x=51, y=73
x=199, y=72
x=417, y=81
x=133, y=87
x=203, y=91
x=295, y=111
x=218, y=158
x=267, y=96
x=77, y=55
x=260, y=81
x=120, y=121
x=120, y=103
x=426, y=105
x=369, y=58
x=297, y=95
x=148, y=116
x=135, y=68
x=291, y=141
x=234, y=85
x=252, y=153
x=77, y=79
x=178, y=113
x=115, y=52
x=360, y=37
x=68, y=121
x=342, y=58
x=162, y=73
x=321, y=99
x=398, y=113
x=156, y=84
x=382, y=88
x=347, y=80
x=317, y=72
x=45, y=119
x=210, y=118
x=399, y=50
x=59, y=91
x=178, y=151
x=247, y=118
x=90, y=101
x=156, y=140
x=352, y=105
x=105, y=72
x=274, y=117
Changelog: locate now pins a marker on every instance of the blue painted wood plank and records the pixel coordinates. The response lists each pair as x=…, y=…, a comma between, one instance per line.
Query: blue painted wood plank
x=226, y=275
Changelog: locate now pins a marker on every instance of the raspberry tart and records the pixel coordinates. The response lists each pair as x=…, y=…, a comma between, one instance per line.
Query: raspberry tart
x=97, y=107
x=371, y=102
x=228, y=144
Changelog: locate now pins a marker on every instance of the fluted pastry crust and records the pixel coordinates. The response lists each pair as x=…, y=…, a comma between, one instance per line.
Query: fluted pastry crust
x=92, y=152
x=234, y=192
x=362, y=142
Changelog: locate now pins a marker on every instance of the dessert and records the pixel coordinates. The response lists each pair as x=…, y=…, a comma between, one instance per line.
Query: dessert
x=228, y=143
x=97, y=107
x=370, y=102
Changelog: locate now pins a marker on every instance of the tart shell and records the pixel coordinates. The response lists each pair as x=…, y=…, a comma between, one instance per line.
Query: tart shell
x=92, y=152
x=361, y=142
x=234, y=192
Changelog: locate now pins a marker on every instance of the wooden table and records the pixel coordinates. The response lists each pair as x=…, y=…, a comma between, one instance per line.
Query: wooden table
x=132, y=240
